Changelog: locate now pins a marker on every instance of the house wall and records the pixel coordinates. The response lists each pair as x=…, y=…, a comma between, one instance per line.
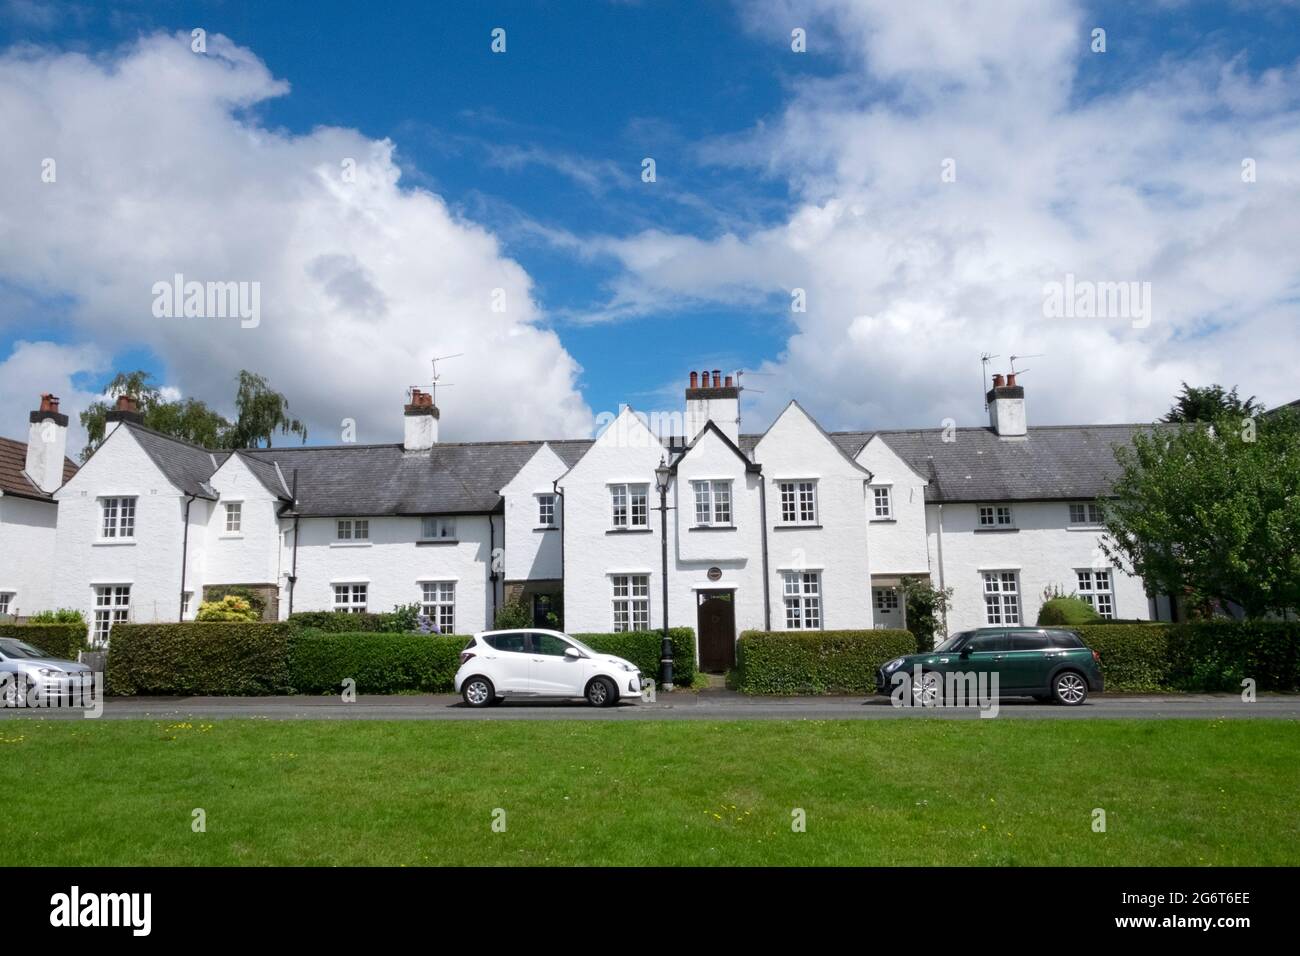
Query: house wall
x=253, y=555
x=533, y=553
x=897, y=546
x=27, y=530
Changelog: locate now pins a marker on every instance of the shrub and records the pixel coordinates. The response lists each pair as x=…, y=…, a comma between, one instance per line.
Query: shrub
x=64, y=615
x=216, y=592
x=642, y=649
x=231, y=608
x=336, y=622
x=193, y=658
x=816, y=662
x=1133, y=656
x=57, y=640
x=926, y=607
x=1217, y=655
x=513, y=614
x=380, y=663
x=1068, y=611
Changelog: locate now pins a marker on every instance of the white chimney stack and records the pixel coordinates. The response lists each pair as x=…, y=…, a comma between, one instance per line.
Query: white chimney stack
x=47, y=444
x=421, y=422
x=1007, y=407
x=712, y=399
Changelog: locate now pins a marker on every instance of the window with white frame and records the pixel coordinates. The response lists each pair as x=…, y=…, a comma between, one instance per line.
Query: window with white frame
x=437, y=529
x=1085, y=513
x=1001, y=597
x=112, y=606
x=1095, y=588
x=712, y=503
x=886, y=600
x=438, y=602
x=631, y=602
x=6, y=599
x=798, y=502
x=629, y=505
x=353, y=529
x=995, y=516
x=186, y=598
x=118, y=518
x=234, y=517
x=802, y=591
x=882, y=502
x=350, y=598
x=546, y=511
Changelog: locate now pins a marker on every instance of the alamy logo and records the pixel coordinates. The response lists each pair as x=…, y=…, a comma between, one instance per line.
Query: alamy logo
x=208, y=300
x=102, y=909
x=1084, y=299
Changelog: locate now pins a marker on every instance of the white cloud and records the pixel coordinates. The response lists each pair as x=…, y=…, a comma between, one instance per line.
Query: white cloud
x=163, y=168
x=34, y=368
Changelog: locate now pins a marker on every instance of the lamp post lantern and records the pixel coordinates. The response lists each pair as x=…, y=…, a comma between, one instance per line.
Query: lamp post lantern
x=662, y=475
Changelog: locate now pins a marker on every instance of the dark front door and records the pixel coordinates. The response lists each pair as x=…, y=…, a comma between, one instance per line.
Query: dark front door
x=717, y=630
x=541, y=610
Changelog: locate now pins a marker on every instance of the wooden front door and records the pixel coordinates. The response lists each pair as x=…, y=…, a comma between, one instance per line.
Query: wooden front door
x=717, y=630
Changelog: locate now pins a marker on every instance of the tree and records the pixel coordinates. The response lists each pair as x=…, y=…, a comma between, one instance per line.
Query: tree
x=1212, y=511
x=927, y=610
x=262, y=410
x=1210, y=403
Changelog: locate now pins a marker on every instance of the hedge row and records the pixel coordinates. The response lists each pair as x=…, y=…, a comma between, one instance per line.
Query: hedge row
x=816, y=662
x=194, y=658
x=642, y=649
x=379, y=663
x=1133, y=656
x=342, y=622
x=57, y=640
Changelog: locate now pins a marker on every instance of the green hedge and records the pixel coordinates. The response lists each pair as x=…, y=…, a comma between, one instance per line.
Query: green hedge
x=1217, y=655
x=379, y=663
x=57, y=640
x=1133, y=656
x=192, y=658
x=816, y=662
x=341, y=622
x=642, y=649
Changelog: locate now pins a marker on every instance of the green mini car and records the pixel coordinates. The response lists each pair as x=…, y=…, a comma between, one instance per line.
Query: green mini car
x=1042, y=662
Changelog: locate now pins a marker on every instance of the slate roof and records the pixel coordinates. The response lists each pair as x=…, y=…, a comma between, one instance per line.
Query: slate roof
x=186, y=466
x=13, y=460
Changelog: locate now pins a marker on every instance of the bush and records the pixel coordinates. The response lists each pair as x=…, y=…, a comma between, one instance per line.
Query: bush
x=338, y=622
x=192, y=658
x=57, y=640
x=642, y=649
x=230, y=609
x=816, y=662
x=513, y=614
x=64, y=615
x=1217, y=655
x=380, y=663
x=216, y=592
x=1067, y=611
x=1134, y=657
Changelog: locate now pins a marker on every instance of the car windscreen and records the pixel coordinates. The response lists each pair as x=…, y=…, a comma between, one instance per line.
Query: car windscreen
x=17, y=649
x=580, y=646
x=952, y=643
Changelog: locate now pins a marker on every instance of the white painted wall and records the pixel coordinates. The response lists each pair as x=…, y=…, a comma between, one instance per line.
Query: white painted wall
x=253, y=555
x=533, y=553
x=897, y=546
x=27, y=529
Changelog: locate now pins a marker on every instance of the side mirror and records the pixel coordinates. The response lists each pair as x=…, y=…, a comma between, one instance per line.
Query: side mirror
x=965, y=651
x=572, y=653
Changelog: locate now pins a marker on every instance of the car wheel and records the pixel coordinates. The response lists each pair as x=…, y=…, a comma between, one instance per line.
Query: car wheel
x=601, y=692
x=1069, y=688
x=928, y=691
x=478, y=691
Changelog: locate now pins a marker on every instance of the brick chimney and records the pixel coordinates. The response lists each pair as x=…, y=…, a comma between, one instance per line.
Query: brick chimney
x=127, y=409
x=47, y=444
x=421, y=417
x=711, y=398
x=1007, y=407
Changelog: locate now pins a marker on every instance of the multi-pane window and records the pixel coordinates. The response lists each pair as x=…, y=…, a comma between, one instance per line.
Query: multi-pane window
x=995, y=516
x=437, y=529
x=186, y=598
x=882, y=503
x=438, y=602
x=1001, y=597
x=712, y=503
x=1095, y=588
x=798, y=502
x=118, y=517
x=6, y=598
x=886, y=600
x=234, y=517
x=1085, y=513
x=802, y=591
x=631, y=602
x=630, y=506
x=354, y=529
x=112, y=606
x=350, y=598
x=546, y=511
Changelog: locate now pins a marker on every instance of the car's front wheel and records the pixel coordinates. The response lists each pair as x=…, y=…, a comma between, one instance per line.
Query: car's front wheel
x=601, y=692
x=478, y=692
x=928, y=691
x=1069, y=688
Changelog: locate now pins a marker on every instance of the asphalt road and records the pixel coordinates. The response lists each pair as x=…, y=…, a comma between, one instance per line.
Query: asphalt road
x=680, y=705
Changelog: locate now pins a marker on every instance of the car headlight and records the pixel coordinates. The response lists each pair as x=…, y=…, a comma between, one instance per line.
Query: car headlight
x=627, y=667
x=49, y=672
x=893, y=665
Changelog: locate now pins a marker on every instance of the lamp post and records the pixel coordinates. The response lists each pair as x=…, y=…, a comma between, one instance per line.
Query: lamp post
x=662, y=474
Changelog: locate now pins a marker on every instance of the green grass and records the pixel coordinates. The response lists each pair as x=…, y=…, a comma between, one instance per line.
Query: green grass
x=995, y=792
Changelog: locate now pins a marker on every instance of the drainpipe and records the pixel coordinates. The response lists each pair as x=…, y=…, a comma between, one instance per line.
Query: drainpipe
x=492, y=550
x=293, y=570
x=939, y=540
x=185, y=550
x=762, y=507
x=559, y=499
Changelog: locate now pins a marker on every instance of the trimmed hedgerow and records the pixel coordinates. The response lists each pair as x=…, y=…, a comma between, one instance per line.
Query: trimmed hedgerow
x=192, y=658
x=816, y=662
x=642, y=649
x=340, y=622
x=1133, y=656
x=1067, y=610
x=1218, y=655
x=379, y=663
x=58, y=640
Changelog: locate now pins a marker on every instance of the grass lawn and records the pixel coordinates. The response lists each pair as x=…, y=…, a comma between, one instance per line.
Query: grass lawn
x=991, y=792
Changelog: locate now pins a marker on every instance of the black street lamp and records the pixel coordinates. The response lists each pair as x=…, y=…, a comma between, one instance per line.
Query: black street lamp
x=662, y=474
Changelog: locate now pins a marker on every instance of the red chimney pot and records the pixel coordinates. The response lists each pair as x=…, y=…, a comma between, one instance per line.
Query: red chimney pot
x=127, y=403
x=1011, y=379
x=695, y=380
x=728, y=381
x=998, y=380
x=49, y=403
x=717, y=378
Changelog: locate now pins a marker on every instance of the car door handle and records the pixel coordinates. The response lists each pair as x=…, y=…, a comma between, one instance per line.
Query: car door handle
x=997, y=657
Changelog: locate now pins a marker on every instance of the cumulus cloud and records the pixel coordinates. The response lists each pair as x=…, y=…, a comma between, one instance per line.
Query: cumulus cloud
x=34, y=368
x=162, y=168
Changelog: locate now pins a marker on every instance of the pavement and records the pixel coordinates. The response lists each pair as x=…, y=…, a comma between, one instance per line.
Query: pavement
x=716, y=704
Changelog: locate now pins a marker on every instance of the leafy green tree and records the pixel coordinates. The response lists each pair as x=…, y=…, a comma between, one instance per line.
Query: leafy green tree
x=927, y=610
x=1209, y=404
x=1212, y=511
x=262, y=412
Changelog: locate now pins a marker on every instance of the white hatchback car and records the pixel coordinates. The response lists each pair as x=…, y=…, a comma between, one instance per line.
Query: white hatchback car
x=536, y=663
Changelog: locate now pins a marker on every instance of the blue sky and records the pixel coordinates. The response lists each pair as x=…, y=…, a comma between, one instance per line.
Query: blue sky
x=542, y=148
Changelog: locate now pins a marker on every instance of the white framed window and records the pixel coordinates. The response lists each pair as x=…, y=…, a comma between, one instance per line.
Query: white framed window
x=630, y=506
x=886, y=600
x=546, y=511
x=1095, y=587
x=6, y=600
x=996, y=516
x=1001, y=597
x=438, y=601
x=798, y=502
x=433, y=528
x=712, y=503
x=234, y=517
x=1085, y=514
x=118, y=516
x=186, y=598
x=882, y=502
x=631, y=602
x=353, y=529
x=112, y=606
x=350, y=598
x=802, y=591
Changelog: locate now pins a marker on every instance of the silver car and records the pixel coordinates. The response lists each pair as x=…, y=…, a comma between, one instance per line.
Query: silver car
x=29, y=677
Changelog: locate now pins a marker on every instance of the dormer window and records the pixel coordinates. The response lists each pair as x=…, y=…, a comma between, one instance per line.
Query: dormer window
x=798, y=502
x=712, y=504
x=118, y=518
x=629, y=506
x=546, y=511
x=882, y=503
